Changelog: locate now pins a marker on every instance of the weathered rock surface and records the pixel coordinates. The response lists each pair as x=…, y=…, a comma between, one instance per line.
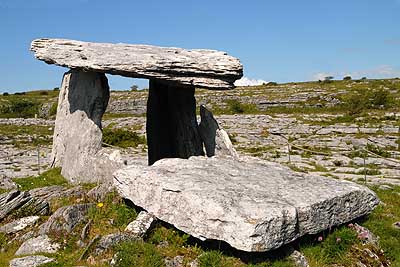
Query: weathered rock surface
x=253, y=205
x=6, y=183
x=216, y=140
x=65, y=218
x=22, y=202
x=197, y=67
x=40, y=244
x=51, y=192
x=30, y=261
x=141, y=224
x=19, y=224
x=77, y=141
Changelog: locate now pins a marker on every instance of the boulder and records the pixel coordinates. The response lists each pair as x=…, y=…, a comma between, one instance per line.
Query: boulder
x=140, y=226
x=197, y=67
x=19, y=224
x=66, y=218
x=40, y=244
x=253, y=205
x=30, y=261
x=22, y=204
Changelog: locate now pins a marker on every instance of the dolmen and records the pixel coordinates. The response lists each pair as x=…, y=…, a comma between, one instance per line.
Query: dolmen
x=195, y=180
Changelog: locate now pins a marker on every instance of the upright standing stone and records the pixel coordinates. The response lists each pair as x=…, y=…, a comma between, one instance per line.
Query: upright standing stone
x=77, y=139
x=171, y=126
x=82, y=102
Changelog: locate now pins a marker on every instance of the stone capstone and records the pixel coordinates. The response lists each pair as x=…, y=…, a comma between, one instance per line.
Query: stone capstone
x=30, y=261
x=251, y=204
x=197, y=67
x=40, y=244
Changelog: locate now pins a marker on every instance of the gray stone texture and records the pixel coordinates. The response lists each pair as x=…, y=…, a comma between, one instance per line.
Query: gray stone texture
x=40, y=244
x=77, y=141
x=253, y=205
x=19, y=224
x=216, y=140
x=66, y=218
x=197, y=67
x=30, y=261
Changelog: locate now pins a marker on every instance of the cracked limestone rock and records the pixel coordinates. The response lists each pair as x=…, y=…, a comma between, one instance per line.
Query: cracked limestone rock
x=141, y=224
x=30, y=261
x=198, y=67
x=40, y=244
x=253, y=205
x=19, y=224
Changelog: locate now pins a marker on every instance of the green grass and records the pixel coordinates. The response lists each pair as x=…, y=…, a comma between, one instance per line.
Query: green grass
x=122, y=138
x=47, y=178
x=29, y=135
x=113, y=208
x=380, y=222
x=138, y=253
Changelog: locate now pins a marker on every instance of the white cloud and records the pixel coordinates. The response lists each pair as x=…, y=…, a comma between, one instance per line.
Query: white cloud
x=321, y=76
x=244, y=81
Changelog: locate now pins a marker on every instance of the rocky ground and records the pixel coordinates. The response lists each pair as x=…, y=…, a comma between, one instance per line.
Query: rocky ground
x=302, y=126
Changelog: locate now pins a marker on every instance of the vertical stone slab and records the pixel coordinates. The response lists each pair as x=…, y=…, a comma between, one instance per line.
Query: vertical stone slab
x=216, y=140
x=77, y=136
x=171, y=125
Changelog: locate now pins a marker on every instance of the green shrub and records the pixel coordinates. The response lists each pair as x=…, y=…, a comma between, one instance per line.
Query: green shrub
x=122, y=138
x=346, y=78
x=361, y=100
x=138, y=253
x=236, y=107
x=20, y=108
x=53, y=109
x=5, y=94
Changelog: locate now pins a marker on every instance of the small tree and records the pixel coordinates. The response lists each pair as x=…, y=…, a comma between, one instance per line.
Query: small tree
x=328, y=78
x=134, y=88
x=346, y=78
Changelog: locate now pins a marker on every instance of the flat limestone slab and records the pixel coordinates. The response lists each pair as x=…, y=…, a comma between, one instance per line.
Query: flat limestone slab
x=198, y=67
x=251, y=204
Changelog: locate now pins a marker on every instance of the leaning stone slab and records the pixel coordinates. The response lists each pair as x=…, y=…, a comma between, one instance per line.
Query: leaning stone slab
x=198, y=67
x=40, y=244
x=253, y=205
x=19, y=224
x=30, y=261
x=216, y=140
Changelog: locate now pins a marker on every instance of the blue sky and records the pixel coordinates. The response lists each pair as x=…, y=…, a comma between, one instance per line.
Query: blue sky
x=286, y=40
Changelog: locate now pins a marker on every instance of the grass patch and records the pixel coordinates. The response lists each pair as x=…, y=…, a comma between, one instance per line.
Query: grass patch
x=381, y=220
x=138, y=253
x=332, y=248
x=111, y=215
x=47, y=178
x=122, y=138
